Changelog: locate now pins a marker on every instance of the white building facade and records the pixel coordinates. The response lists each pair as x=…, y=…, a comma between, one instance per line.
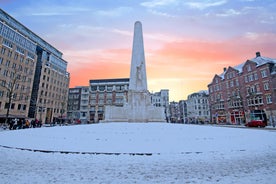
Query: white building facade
x=198, y=110
x=161, y=99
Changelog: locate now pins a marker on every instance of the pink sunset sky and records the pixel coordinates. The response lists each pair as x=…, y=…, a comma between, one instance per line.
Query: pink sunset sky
x=186, y=42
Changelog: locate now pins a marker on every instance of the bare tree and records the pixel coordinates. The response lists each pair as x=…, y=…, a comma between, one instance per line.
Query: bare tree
x=62, y=110
x=11, y=85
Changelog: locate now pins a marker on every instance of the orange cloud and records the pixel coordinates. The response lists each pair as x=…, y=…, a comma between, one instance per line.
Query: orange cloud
x=182, y=67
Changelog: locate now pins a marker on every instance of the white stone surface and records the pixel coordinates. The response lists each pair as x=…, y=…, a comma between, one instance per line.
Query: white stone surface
x=139, y=107
x=138, y=76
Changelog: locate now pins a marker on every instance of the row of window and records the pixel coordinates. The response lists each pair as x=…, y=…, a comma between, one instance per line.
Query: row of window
x=231, y=75
x=54, y=81
x=253, y=89
x=16, y=37
x=254, y=101
x=198, y=113
x=235, y=82
x=232, y=83
x=18, y=51
x=21, y=107
x=109, y=88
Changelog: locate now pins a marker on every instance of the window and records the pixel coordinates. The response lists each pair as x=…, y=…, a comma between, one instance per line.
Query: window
x=266, y=86
x=7, y=105
x=21, y=59
x=7, y=43
x=101, y=88
x=264, y=73
x=109, y=88
x=3, y=50
x=5, y=73
x=10, y=54
x=245, y=79
x=8, y=63
x=248, y=68
x=14, y=65
x=250, y=77
x=268, y=99
x=15, y=56
x=257, y=87
x=255, y=76
x=231, y=83
x=237, y=82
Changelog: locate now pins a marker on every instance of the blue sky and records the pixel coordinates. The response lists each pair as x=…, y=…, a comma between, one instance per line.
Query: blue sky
x=186, y=42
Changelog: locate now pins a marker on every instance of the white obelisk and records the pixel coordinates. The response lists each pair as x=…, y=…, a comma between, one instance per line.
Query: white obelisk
x=138, y=95
x=138, y=76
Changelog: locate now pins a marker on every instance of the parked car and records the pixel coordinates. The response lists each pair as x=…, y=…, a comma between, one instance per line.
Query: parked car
x=256, y=123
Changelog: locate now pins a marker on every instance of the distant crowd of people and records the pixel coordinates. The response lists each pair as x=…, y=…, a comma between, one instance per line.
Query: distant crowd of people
x=22, y=123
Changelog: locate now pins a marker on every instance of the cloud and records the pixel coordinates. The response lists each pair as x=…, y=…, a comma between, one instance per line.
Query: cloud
x=158, y=3
x=184, y=66
x=115, y=12
x=251, y=35
x=56, y=10
x=205, y=4
x=122, y=32
x=228, y=13
x=159, y=13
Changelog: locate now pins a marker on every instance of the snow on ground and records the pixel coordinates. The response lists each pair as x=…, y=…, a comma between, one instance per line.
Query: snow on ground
x=112, y=153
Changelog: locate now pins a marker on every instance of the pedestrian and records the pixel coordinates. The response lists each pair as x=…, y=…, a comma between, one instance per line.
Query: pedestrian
x=33, y=123
x=27, y=124
x=20, y=124
x=273, y=121
x=14, y=124
x=11, y=124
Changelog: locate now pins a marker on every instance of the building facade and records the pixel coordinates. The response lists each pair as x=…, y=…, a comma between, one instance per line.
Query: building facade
x=241, y=92
x=183, y=111
x=106, y=92
x=198, y=108
x=78, y=105
x=161, y=99
x=41, y=87
x=174, y=112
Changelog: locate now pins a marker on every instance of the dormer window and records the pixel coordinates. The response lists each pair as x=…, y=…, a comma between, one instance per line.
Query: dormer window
x=249, y=68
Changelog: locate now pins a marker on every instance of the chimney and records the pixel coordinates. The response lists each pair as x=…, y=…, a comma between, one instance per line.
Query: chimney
x=224, y=69
x=258, y=54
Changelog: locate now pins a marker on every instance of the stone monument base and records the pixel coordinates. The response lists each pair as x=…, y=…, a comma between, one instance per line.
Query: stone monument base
x=138, y=109
x=126, y=114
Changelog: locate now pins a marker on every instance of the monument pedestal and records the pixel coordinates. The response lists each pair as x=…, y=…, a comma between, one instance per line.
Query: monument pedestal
x=138, y=110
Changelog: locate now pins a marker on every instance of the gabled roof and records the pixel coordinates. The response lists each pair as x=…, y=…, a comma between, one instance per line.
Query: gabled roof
x=263, y=60
x=260, y=60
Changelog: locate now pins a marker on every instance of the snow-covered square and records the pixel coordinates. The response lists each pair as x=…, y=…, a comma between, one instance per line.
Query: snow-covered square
x=138, y=153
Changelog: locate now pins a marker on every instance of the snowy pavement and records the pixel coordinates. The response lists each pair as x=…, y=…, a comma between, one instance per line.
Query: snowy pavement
x=180, y=154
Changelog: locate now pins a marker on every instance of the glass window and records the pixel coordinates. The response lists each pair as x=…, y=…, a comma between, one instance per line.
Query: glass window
x=264, y=73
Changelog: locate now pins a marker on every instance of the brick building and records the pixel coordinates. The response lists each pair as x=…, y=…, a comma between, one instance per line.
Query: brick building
x=242, y=91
